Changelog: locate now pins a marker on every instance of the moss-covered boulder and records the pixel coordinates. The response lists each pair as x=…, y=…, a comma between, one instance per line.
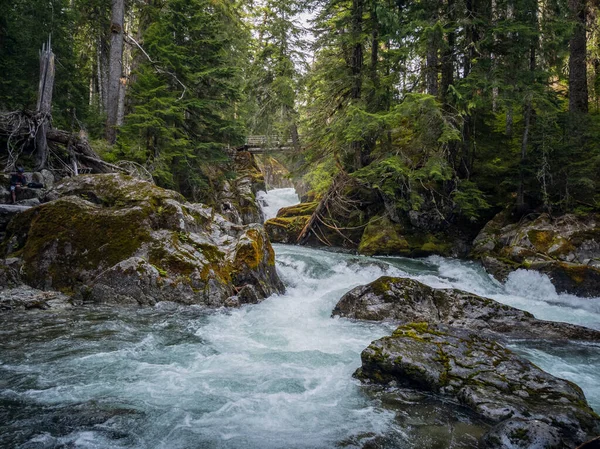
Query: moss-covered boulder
x=290, y=221
x=384, y=237
x=492, y=381
x=112, y=238
x=567, y=248
x=403, y=300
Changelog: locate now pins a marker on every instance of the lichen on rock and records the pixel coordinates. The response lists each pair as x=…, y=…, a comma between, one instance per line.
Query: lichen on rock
x=482, y=375
x=566, y=248
x=403, y=300
x=112, y=238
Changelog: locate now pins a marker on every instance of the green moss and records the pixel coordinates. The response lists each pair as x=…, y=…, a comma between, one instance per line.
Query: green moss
x=298, y=210
x=577, y=273
x=290, y=224
x=160, y=271
x=382, y=237
x=117, y=190
x=285, y=229
x=541, y=239
x=81, y=237
x=519, y=435
x=435, y=246
x=383, y=285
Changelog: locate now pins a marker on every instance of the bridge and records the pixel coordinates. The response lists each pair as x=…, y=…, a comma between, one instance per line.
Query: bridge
x=266, y=144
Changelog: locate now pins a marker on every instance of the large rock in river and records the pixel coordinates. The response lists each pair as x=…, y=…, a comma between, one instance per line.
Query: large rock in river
x=404, y=300
x=531, y=408
x=567, y=248
x=113, y=238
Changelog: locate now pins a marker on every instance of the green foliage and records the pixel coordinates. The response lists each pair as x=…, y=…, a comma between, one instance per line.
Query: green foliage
x=470, y=200
x=24, y=26
x=319, y=178
x=274, y=76
x=176, y=131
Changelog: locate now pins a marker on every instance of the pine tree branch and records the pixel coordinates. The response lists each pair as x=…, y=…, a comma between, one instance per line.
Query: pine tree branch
x=157, y=67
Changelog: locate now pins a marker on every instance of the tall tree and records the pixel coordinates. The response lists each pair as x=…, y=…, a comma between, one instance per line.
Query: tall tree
x=578, y=89
x=186, y=91
x=275, y=75
x=115, y=68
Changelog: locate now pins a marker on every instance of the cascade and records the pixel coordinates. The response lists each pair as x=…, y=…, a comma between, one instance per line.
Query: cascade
x=273, y=375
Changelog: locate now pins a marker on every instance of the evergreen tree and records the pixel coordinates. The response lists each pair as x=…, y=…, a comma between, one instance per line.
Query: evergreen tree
x=184, y=98
x=275, y=75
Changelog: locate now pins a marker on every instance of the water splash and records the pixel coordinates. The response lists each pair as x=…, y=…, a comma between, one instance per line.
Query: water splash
x=273, y=200
x=273, y=375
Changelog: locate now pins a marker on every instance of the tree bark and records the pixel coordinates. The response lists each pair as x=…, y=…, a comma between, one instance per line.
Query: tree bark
x=527, y=117
x=432, y=60
x=356, y=65
x=448, y=56
x=102, y=72
x=44, y=104
x=578, y=90
x=115, y=69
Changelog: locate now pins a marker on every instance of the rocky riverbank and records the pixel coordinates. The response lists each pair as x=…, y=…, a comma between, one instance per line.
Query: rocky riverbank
x=448, y=344
x=113, y=238
x=566, y=248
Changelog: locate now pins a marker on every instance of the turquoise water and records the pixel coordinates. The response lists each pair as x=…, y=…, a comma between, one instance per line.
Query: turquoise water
x=273, y=375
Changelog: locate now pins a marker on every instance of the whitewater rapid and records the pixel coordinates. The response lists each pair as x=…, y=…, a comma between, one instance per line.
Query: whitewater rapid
x=273, y=375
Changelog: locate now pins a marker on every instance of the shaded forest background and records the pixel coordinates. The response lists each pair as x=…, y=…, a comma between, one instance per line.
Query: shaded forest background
x=471, y=105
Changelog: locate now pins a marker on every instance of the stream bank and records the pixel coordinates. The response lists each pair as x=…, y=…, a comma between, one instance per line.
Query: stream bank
x=271, y=375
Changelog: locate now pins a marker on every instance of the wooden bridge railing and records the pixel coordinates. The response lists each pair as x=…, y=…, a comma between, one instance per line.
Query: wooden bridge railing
x=262, y=144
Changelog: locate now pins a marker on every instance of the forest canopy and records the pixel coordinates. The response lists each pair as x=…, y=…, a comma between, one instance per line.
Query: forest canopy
x=475, y=104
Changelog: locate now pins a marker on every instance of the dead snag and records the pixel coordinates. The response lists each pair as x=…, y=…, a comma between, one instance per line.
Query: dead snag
x=44, y=103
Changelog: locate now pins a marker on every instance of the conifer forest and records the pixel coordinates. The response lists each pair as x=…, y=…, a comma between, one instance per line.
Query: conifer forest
x=482, y=103
x=299, y=224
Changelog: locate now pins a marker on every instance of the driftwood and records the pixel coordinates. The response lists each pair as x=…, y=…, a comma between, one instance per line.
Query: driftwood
x=81, y=149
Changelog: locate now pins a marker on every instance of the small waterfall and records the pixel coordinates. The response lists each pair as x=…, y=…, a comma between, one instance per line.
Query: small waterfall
x=268, y=376
x=275, y=199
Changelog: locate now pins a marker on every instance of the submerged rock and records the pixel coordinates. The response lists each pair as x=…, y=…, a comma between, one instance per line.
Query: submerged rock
x=482, y=375
x=112, y=238
x=405, y=300
x=27, y=298
x=566, y=248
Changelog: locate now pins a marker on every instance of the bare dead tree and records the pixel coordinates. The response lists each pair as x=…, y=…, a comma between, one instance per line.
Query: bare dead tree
x=44, y=103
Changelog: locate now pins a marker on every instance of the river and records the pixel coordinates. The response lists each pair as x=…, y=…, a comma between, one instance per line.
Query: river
x=273, y=375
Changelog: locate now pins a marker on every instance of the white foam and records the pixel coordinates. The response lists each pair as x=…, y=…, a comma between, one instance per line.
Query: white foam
x=275, y=199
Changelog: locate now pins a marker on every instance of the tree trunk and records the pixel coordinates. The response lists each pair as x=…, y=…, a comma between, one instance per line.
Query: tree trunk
x=432, y=60
x=527, y=116
x=448, y=55
x=44, y=104
x=115, y=69
x=121, y=105
x=578, y=91
x=521, y=190
x=357, y=147
x=102, y=72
